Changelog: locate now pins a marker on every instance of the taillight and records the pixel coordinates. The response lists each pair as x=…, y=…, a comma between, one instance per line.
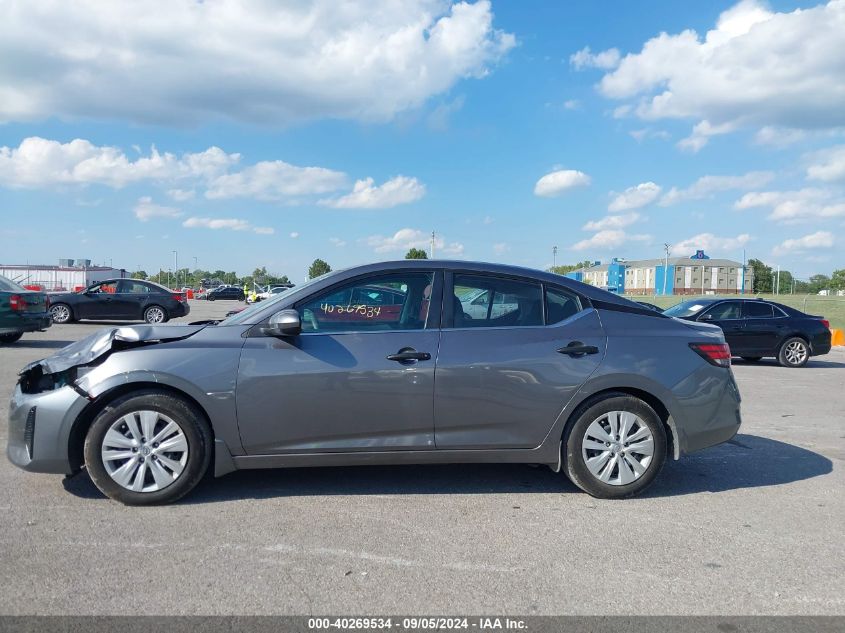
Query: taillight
x=826, y=323
x=17, y=303
x=178, y=296
x=718, y=354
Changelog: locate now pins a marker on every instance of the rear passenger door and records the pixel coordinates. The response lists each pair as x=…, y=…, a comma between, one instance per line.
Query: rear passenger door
x=131, y=294
x=501, y=381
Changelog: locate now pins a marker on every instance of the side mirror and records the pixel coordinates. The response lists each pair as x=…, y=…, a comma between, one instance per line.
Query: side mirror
x=283, y=323
x=705, y=317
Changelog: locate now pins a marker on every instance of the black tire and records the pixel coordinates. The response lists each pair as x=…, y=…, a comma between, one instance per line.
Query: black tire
x=8, y=339
x=64, y=316
x=191, y=421
x=575, y=465
x=794, y=352
x=210, y=298
x=148, y=311
x=751, y=359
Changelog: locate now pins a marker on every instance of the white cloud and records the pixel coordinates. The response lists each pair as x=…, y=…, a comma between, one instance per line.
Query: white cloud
x=819, y=239
x=366, y=195
x=605, y=60
x=337, y=242
x=634, y=197
x=612, y=222
x=778, y=136
x=180, y=195
x=146, y=209
x=789, y=207
x=607, y=240
x=275, y=180
x=439, y=118
x=706, y=186
x=571, y=104
x=710, y=242
x=756, y=68
x=294, y=235
x=406, y=239
x=828, y=165
x=501, y=247
x=39, y=162
x=701, y=134
x=231, y=224
x=558, y=182
x=182, y=61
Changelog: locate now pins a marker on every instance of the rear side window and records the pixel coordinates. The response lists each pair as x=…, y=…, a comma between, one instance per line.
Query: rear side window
x=488, y=301
x=560, y=305
x=134, y=287
x=755, y=310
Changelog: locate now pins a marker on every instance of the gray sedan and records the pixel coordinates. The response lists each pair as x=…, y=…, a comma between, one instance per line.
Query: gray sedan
x=380, y=365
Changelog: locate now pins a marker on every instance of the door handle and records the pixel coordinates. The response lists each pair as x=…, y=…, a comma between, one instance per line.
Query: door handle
x=577, y=348
x=408, y=354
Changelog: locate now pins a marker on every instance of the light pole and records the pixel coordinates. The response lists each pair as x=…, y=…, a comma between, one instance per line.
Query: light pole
x=432, y=245
x=554, y=257
x=778, y=292
x=667, y=248
x=176, y=266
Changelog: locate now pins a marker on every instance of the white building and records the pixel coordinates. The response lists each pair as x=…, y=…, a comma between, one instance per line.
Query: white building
x=65, y=276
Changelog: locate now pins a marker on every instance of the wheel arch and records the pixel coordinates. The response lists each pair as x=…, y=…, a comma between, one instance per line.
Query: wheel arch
x=76, y=437
x=652, y=400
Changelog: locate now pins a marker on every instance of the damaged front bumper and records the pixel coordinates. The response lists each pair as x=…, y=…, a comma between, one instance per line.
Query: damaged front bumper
x=52, y=393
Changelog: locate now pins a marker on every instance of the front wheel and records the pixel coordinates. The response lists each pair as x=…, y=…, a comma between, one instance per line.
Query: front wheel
x=7, y=339
x=615, y=448
x=155, y=314
x=147, y=448
x=794, y=352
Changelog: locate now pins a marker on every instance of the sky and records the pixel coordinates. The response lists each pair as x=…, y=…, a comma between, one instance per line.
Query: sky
x=259, y=133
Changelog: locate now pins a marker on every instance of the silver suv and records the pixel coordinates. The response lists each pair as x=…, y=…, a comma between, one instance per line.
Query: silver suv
x=380, y=364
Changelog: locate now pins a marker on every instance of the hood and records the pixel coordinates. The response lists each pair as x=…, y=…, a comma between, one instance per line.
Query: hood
x=89, y=349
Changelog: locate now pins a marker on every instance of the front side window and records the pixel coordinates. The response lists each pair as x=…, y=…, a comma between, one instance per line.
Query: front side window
x=392, y=301
x=486, y=301
x=108, y=287
x=725, y=310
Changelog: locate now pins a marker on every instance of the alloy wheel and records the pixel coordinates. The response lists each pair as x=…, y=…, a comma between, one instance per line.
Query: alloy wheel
x=618, y=448
x=144, y=451
x=60, y=313
x=154, y=315
x=796, y=353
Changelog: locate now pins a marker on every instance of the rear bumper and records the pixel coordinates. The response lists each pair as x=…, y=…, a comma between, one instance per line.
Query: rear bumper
x=710, y=409
x=820, y=344
x=33, y=322
x=39, y=429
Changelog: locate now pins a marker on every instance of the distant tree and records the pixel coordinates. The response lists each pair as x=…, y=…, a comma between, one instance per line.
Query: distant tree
x=139, y=274
x=837, y=279
x=416, y=253
x=818, y=282
x=317, y=268
x=568, y=268
x=763, y=281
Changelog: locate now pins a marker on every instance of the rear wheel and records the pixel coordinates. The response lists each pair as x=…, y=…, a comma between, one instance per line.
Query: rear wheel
x=61, y=313
x=7, y=339
x=148, y=448
x=794, y=352
x=751, y=359
x=155, y=314
x=615, y=448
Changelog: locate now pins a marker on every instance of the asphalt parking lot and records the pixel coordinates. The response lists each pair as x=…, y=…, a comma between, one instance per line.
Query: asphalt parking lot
x=750, y=527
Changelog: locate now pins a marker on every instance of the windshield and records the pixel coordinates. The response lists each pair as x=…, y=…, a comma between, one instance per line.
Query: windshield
x=685, y=308
x=7, y=285
x=244, y=315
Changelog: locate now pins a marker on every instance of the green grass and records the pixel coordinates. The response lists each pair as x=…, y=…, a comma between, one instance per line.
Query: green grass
x=831, y=308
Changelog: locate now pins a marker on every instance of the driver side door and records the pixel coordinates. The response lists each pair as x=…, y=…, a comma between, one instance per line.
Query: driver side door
x=728, y=316
x=98, y=302
x=359, y=377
